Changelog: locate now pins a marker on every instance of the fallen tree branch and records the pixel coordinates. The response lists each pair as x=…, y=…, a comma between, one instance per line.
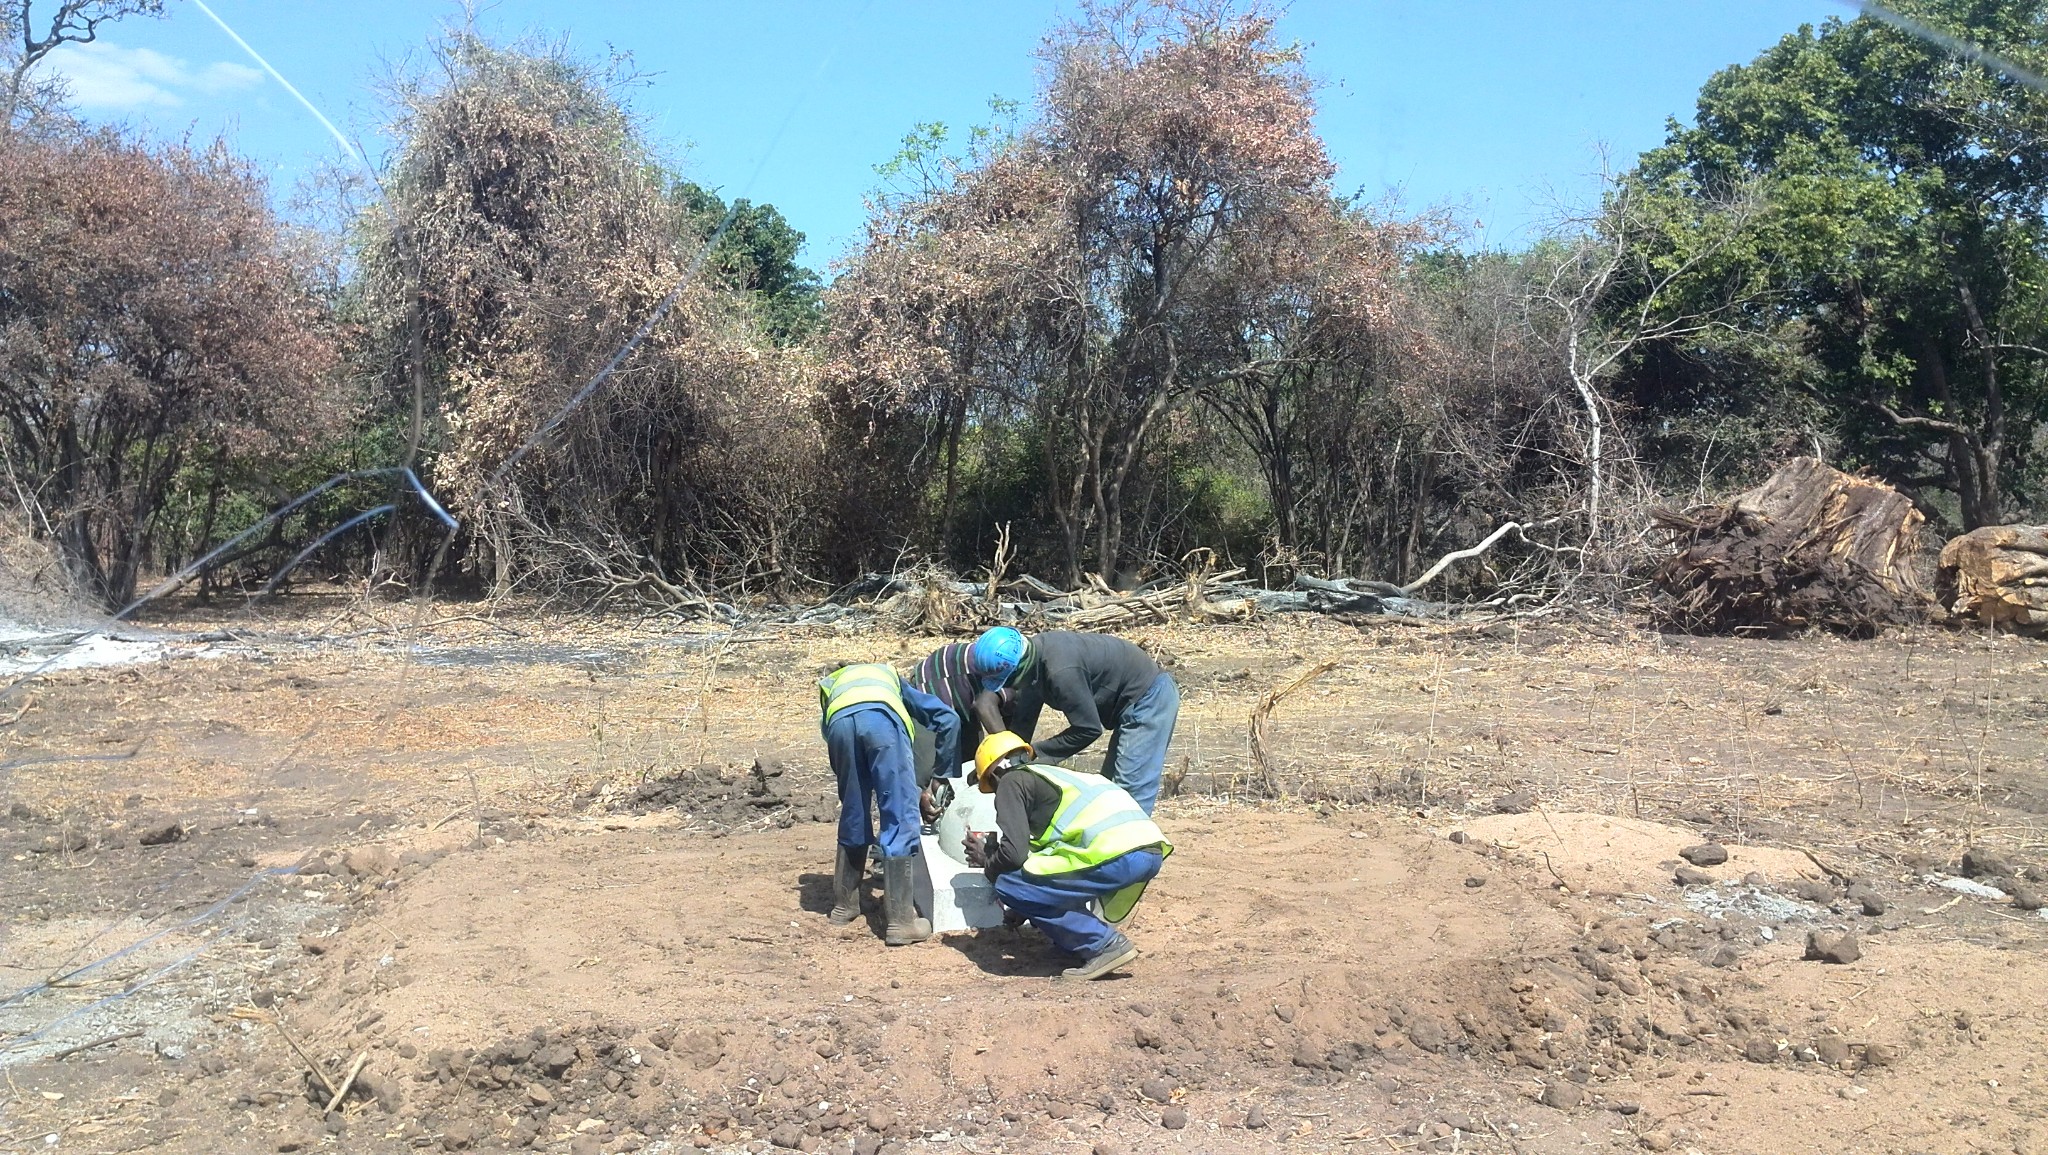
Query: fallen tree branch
x=1262, y=715
x=1515, y=527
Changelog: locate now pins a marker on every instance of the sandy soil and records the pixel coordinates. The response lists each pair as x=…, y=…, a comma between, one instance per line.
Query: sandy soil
x=528, y=871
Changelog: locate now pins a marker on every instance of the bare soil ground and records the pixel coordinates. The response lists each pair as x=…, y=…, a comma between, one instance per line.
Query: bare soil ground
x=529, y=872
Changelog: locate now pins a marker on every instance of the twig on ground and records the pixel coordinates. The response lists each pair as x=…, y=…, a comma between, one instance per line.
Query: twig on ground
x=353, y=1071
x=113, y=1038
x=319, y=1072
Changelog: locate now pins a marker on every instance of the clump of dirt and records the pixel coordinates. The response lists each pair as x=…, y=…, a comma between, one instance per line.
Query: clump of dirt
x=766, y=793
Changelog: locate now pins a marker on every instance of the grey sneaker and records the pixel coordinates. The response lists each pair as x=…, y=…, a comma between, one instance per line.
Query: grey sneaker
x=1114, y=953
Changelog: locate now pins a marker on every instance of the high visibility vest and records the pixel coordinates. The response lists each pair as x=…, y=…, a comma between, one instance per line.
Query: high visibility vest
x=1096, y=820
x=855, y=685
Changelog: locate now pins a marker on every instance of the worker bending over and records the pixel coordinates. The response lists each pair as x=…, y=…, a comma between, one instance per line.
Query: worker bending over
x=868, y=714
x=1065, y=839
x=966, y=676
x=1099, y=682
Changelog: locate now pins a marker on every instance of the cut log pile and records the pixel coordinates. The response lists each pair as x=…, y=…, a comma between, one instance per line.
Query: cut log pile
x=1997, y=576
x=1811, y=548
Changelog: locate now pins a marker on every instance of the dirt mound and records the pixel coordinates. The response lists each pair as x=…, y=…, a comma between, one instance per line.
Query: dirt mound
x=672, y=986
x=1606, y=853
x=1811, y=548
x=727, y=797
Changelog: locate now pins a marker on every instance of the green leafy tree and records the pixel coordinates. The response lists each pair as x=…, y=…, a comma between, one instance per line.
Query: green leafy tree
x=757, y=255
x=1899, y=226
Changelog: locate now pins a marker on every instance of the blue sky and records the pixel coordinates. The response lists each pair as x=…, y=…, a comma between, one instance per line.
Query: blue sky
x=1498, y=108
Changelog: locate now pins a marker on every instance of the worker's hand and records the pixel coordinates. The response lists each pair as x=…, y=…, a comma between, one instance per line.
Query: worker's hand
x=938, y=795
x=976, y=846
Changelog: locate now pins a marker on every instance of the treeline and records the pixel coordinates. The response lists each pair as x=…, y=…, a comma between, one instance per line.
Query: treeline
x=1132, y=322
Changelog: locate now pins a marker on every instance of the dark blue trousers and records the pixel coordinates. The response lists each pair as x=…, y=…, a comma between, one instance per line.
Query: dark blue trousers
x=1057, y=904
x=871, y=758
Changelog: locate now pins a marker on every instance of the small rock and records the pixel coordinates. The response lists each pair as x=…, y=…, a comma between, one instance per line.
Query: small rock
x=1869, y=901
x=1459, y=837
x=1809, y=890
x=1157, y=1090
x=1308, y=1057
x=311, y=945
x=1628, y=1107
x=777, y=1071
x=1283, y=1012
x=1691, y=876
x=2024, y=895
x=1756, y=879
x=1832, y=1050
x=1705, y=854
x=1255, y=1119
x=1105, y=1147
x=827, y=1049
x=1830, y=946
x=1518, y=802
x=1475, y=882
x=162, y=835
x=1852, y=1092
x=1173, y=1118
x=1882, y=1054
x=458, y=1136
x=1724, y=955
x=789, y=1136
x=1656, y=1141
x=586, y=1145
x=866, y=1144
x=1981, y=863
x=1760, y=1050
x=1563, y=1095
x=538, y=1095
x=880, y=1120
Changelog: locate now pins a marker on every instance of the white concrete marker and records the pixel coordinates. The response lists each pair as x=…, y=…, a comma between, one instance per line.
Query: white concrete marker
x=958, y=896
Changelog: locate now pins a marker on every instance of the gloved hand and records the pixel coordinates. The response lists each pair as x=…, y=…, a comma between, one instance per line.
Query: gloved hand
x=976, y=846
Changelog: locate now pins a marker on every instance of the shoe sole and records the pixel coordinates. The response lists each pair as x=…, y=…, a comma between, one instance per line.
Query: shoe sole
x=1096, y=970
x=838, y=919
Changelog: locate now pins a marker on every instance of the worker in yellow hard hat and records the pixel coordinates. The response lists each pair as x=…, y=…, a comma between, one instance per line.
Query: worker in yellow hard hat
x=1065, y=839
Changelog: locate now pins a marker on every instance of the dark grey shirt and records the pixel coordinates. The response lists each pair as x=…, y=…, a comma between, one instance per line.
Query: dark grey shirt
x=1091, y=678
x=1025, y=804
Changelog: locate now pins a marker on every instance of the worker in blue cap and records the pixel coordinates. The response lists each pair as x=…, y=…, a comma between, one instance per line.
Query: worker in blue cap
x=1102, y=684
x=969, y=678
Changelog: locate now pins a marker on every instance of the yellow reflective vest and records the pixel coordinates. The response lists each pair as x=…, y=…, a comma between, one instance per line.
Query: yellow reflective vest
x=1096, y=820
x=855, y=685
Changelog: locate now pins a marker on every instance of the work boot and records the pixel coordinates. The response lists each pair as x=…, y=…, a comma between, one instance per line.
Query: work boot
x=1114, y=953
x=899, y=904
x=847, y=873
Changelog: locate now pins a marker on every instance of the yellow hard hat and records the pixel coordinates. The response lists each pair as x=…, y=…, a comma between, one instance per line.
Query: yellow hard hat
x=991, y=751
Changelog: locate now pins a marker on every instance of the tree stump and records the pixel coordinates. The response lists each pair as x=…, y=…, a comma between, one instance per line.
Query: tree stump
x=1997, y=575
x=1811, y=548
